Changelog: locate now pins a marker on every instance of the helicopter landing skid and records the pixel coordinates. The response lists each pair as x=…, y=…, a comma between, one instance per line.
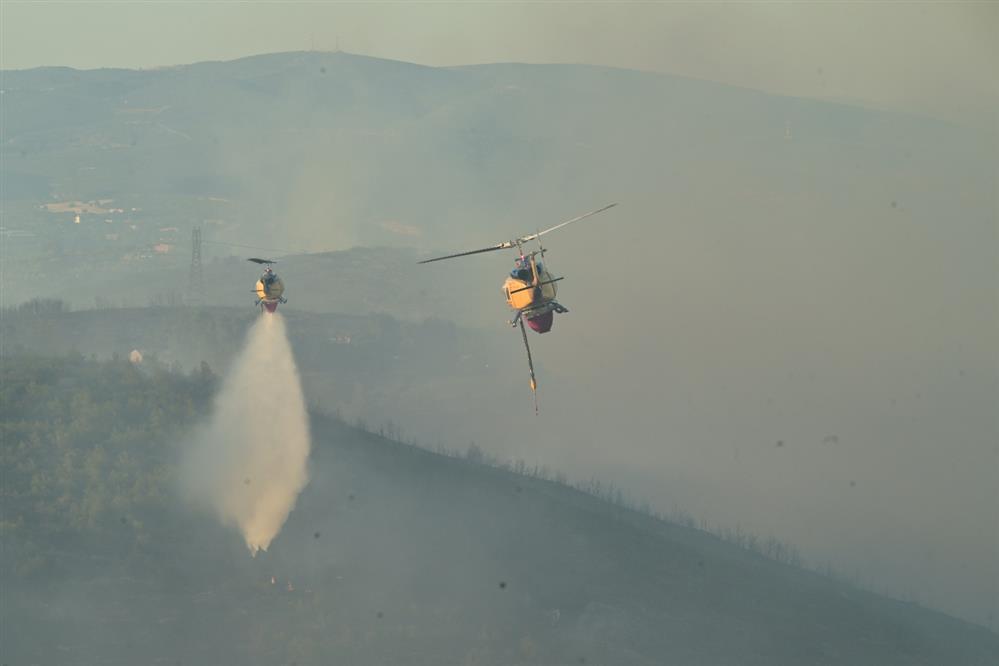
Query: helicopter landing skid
x=551, y=306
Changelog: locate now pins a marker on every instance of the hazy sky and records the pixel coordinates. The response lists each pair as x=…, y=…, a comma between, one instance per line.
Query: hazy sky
x=935, y=58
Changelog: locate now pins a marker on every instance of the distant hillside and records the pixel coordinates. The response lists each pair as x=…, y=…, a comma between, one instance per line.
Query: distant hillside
x=360, y=281
x=328, y=150
x=393, y=555
x=373, y=368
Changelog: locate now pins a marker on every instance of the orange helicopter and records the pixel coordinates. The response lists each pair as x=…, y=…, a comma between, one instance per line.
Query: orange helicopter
x=269, y=288
x=529, y=288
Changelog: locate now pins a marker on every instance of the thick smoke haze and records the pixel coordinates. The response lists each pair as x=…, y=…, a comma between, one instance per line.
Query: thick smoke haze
x=788, y=325
x=249, y=463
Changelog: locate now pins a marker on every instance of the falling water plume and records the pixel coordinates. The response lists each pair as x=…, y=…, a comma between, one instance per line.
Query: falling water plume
x=249, y=463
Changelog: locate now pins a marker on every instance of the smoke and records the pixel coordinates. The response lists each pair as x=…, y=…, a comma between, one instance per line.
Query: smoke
x=248, y=464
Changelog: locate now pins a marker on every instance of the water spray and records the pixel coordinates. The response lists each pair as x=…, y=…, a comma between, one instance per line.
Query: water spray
x=249, y=463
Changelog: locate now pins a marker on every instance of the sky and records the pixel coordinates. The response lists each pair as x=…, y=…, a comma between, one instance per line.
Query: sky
x=928, y=58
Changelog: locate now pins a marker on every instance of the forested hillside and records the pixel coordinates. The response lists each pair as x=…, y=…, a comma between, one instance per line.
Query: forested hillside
x=374, y=368
x=393, y=555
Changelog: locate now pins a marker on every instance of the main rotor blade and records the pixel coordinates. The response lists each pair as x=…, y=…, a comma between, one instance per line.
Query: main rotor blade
x=531, y=286
x=501, y=246
x=508, y=244
x=258, y=260
x=562, y=224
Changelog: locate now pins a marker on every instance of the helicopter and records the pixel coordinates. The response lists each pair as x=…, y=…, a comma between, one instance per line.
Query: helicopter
x=530, y=288
x=269, y=288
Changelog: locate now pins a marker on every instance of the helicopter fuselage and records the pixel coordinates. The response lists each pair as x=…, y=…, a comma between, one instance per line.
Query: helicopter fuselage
x=269, y=290
x=535, y=303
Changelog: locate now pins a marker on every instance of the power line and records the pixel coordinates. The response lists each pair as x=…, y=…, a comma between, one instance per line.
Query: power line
x=256, y=247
